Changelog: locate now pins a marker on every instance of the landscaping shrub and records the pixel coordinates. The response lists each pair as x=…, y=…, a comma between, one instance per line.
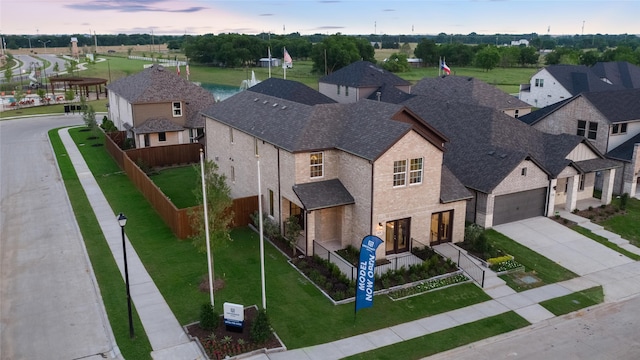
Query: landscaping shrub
x=209, y=318
x=624, y=199
x=261, y=328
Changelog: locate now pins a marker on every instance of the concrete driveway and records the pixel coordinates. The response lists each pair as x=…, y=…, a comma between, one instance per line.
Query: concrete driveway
x=566, y=247
x=50, y=305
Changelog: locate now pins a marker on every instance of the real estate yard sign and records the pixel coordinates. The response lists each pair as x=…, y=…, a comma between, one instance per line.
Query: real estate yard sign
x=366, y=271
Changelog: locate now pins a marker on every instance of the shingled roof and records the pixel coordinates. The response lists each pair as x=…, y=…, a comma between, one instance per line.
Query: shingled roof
x=485, y=145
x=159, y=85
x=390, y=94
x=616, y=106
x=624, y=151
x=365, y=128
x=467, y=90
x=619, y=73
x=363, y=74
x=291, y=90
x=323, y=194
x=579, y=78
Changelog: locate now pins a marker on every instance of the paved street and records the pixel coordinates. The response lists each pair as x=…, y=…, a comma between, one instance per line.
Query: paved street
x=606, y=332
x=50, y=306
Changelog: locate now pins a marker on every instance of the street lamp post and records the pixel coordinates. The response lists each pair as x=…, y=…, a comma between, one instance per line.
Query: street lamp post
x=122, y=221
x=44, y=43
x=28, y=38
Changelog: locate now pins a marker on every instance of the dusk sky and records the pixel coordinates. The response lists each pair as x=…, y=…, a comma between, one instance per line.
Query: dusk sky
x=197, y=17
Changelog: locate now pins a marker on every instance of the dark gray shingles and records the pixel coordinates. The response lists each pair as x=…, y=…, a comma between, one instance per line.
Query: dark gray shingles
x=365, y=128
x=535, y=116
x=451, y=189
x=290, y=90
x=619, y=72
x=624, y=151
x=390, y=94
x=592, y=165
x=466, y=89
x=617, y=106
x=578, y=78
x=323, y=194
x=363, y=74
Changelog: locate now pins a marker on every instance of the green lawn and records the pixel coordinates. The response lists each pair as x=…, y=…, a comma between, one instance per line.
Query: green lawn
x=299, y=312
x=548, y=271
x=588, y=233
x=178, y=184
x=447, y=339
x=112, y=286
x=575, y=301
x=626, y=225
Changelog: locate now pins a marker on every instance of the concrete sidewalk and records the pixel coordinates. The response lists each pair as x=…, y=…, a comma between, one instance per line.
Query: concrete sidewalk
x=168, y=339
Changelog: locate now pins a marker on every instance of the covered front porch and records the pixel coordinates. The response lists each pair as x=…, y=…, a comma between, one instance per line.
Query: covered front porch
x=575, y=186
x=327, y=207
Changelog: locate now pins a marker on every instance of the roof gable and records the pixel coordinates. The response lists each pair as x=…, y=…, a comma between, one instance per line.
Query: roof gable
x=290, y=90
x=578, y=78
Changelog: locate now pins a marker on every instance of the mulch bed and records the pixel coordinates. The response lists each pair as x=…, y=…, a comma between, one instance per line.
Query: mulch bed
x=230, y=343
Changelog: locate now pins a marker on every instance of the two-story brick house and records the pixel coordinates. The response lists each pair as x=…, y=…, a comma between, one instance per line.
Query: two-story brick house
x=610, y=121
x=347, y=170
x=157, y=107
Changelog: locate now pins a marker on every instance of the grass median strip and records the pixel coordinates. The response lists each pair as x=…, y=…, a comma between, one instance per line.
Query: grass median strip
x=112, y=286
x=447, y=339
x=575, y=301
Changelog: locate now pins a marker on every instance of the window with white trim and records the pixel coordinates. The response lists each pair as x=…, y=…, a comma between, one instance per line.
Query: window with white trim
x=346, y=91
x=399, y=173
x=233, y=174
x=619, y=128
x=231, y=134
x=255, y=145
x=316, y=165
x=581, y=182
x=162, y=136
x=177, y=108
x=415, y=171
x=539, y=82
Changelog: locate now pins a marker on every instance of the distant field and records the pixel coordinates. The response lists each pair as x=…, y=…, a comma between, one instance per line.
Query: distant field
x=118, y=66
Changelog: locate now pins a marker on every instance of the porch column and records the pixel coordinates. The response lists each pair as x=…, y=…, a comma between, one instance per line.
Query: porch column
x=141, y=143
x=180, y=137
x=607, y=186
x=551, y=198
x=572, y=192
x=484, y=216
x=310, y=231
x=630, y=173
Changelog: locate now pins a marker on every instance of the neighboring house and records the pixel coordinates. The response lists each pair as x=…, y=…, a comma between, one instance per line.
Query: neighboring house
x=609, y=120
x=514, y=171
x=157, y=107
x=471, y=91
x=359, y=80
x=524, y=42
x=344, y=170
x=560, y=82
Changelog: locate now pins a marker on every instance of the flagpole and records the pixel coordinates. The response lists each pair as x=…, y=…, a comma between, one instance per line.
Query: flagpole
x=269, y=62
x=206, y=228
x=439, y=65
x=264, y=293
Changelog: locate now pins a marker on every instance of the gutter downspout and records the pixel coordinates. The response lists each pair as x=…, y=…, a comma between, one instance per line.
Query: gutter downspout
x=279, y=193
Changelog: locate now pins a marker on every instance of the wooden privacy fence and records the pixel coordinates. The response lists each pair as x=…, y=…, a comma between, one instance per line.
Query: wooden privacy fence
x=177, y=219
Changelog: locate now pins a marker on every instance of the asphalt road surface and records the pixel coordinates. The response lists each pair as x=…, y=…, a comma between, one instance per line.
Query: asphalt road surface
x=50, y=306
x=604, y=332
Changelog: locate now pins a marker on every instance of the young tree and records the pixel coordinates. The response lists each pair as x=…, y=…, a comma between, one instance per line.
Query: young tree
x=218, y=208
x=88, y=114
x=292, y=231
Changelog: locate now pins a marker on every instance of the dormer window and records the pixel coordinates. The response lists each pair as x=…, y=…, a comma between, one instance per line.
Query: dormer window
x=177, y=109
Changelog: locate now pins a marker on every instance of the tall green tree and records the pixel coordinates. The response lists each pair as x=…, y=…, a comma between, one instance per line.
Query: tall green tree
x=338, y=51
x=427, y=50
x=219, y=203
x=488, y=58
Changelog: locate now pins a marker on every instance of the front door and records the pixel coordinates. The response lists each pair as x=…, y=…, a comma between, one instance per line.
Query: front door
x=397, y=236
x=441, y=227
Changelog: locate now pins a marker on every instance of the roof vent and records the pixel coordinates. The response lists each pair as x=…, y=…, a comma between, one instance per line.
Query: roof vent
x=284, y=107
x=266, y=101
x=491, y=152
x=502, y=156
x=256, y=99
x=275, y=105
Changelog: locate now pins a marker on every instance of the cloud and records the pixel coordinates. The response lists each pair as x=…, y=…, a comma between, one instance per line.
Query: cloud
x=266, y=15
x=389, y=10
x=131, y=6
